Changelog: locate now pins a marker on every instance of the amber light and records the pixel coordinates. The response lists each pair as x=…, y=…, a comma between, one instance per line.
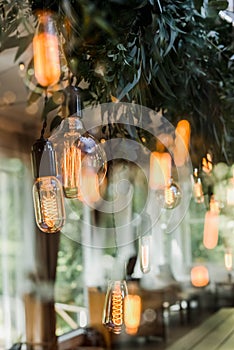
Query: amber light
x=132, y=313
x=46, y=51
x=113, y=313
x=199, y=276
x=160, y=170
x=182, y=141
x=89, y=186
x=211, y=225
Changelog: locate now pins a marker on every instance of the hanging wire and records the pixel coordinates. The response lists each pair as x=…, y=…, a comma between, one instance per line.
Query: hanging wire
x=44, y=113
x=112, y=164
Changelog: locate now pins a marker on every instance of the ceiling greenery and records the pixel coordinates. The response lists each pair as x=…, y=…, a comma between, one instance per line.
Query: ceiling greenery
x=172, y=55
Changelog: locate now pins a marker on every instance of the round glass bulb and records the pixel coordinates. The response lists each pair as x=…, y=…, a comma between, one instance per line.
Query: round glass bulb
x=79, y=156
x=172, y=195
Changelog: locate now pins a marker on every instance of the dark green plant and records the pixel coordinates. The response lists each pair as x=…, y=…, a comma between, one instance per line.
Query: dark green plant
x=170, y=54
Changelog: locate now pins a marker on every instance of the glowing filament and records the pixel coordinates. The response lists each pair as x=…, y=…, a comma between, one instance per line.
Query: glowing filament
x=117, y=307
x=48, y=204
x=169, y=196
x=71, y=170
x=113, y=313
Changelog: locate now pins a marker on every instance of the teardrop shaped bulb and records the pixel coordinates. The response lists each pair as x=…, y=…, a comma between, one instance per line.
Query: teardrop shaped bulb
x=113, y=313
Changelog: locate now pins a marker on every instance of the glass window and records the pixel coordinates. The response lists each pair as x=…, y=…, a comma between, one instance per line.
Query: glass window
x=16, y=255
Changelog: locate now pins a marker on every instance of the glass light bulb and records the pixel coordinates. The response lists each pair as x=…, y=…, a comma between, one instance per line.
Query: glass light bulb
x=197, y=188
x=172, y=195
x=144, y=252
x=199, y=276
x=48, y=204
x=46, y=50
x=228, y=259
x=113, y=313
x=132, y=313
x=160, y=170
x=78, y=154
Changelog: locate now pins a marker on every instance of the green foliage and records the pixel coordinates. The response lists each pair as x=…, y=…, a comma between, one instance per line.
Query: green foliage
x=169, y=54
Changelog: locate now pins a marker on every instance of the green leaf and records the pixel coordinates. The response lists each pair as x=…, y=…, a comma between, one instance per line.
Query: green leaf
x=130, y=86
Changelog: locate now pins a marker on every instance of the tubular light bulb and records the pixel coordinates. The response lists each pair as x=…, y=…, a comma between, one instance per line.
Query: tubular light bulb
x=132, y=313
x=160, y=170
x=144, y=251
x=182, y=141
x=48, y=204
x=46, y=50
x=197, y=188
x=113, y=313
x=211, y=225
x=228, y=259
x=47, y=190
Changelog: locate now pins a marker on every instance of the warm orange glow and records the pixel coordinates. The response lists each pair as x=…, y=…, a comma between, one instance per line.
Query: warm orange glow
x=207, y=163
x=89, y=186
x=182, y=141
x=71, y=166
x=211, y=230
x=132, y=313
x=199, y=276
x=160, y=170
x=228, y=260
x=113, y=312
x=46, y=52
x=164, y=141
x=48, y=204
x=117, y=307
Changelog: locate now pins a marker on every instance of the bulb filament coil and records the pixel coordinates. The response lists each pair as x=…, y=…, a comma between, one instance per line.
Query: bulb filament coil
x=169, y=196
x=117, y=308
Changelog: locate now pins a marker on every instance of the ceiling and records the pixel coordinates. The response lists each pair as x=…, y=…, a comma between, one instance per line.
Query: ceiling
x=15, y=114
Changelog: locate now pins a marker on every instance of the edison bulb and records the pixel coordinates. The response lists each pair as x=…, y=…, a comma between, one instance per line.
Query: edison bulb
x=48, y=204
x=46, y=50
x=78, y=154
x=113, y=312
